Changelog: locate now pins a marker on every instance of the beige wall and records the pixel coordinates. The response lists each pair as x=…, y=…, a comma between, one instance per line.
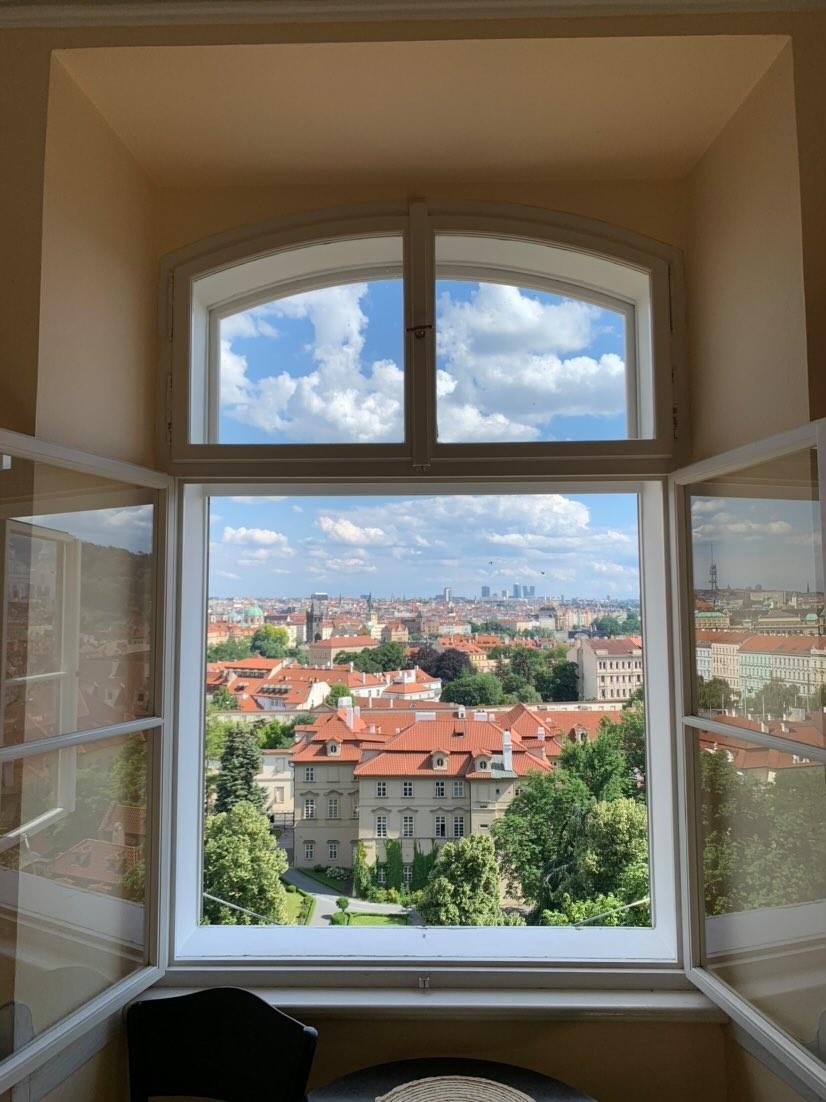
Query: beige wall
x=744, y=270
x=747, y=1080
x=98, y=341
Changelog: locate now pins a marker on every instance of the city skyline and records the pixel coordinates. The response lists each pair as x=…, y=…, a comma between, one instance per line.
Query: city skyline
x=583, y=545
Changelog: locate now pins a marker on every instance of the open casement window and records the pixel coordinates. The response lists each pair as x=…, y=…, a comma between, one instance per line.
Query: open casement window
x=750, y=529
x=286, y=520
x=425, y=336
x=82, y=740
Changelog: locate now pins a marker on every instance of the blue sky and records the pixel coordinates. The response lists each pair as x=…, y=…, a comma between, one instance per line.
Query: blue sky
x=582, y=545
x=512, y=364
x=757, y=541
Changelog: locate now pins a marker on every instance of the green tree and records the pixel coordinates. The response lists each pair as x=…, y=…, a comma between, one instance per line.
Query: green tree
x=393, y=863
x=630, y=730
x=560, y=682
x=242, y=866
x=233, y=650
x=337, y=691
x=129, y=773
x=527, y=664
x=610, y=855
x=223, y=701
x=474, y=690
x=270, y=641
x=609, y=910
x=535, y=838
x=606, y=625
x=277, y=734
x=517, y=690
x=240, y=762
x=775, y=698
x=362, y=876
x=422, y=866
x=715, y=694
x=463, y=889
x=600, y=765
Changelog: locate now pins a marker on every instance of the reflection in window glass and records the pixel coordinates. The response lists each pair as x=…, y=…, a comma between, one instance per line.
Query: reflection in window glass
x=72, y=881
x=759, y=633
x=323, y=366
x=764, y=869
x=78, y=580
x=481, y=655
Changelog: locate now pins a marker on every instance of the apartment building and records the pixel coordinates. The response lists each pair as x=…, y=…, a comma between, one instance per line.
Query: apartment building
x=422, y=777
x=608, y=669
x=797, y=660
x=276, y=778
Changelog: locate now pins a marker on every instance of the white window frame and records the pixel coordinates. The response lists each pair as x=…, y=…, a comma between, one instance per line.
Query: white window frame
x=408, y=826
x=58, y=901
x=765, y=928
x=308, y=810
x=458, y=826
x=381, y=790
x=332, y=807
x=440, y=826
x=381, y=826
x=196, y=945
x=407, y=789
x=458, y=790
x=577, y=256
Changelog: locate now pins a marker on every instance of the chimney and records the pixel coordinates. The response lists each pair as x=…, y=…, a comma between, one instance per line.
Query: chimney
x=461, y=712
x=507, y=752
x=351, y=666
x=357, y=712
x=540, y=733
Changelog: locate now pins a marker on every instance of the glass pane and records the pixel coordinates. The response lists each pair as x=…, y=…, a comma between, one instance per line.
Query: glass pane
x=520, y=358
x=405, y=691
x=78, y=568
x=323, y=365
x=764, y=864
x=757, y=569
x=72, y=858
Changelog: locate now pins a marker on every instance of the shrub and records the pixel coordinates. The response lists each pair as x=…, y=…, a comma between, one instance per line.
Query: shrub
x=291, y=888
x=339, y=919
x=342, y=902
x=336, y=873
x=393, y=895
x=376, y=895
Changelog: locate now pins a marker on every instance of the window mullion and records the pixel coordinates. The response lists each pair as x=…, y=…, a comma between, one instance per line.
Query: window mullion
x=420, y=338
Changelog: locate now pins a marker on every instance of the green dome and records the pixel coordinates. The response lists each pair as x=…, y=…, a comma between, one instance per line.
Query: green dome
x=253, y=613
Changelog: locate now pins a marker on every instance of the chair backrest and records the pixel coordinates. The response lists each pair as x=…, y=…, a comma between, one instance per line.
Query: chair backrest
x=222, y=1043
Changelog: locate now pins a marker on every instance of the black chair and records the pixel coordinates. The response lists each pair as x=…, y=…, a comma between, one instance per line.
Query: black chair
x=223, y=1043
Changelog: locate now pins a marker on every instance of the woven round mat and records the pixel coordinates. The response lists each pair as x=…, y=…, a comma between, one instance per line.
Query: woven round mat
x=454, y=1088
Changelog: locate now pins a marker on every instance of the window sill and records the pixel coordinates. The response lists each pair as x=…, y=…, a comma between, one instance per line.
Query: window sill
x=632, y=995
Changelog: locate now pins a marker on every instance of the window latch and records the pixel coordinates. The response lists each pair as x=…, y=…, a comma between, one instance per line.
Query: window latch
x=424, y=983
x=418, y=331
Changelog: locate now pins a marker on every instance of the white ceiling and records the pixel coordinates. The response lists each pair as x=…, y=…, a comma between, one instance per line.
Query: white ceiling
x=619, y=108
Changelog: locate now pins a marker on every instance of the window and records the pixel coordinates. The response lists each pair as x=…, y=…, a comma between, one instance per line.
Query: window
x=754, y=732
x=309, y=773
x=407, y=788
x=309, y=851
x=381, y=874
x=458, y=826
x=458, y=789
x=407, y=875
x=508, y=330
x=348, y=539
x=332, y=851
x=407, y=826
x=309, y=809
x=83, y=732
x=332, y=807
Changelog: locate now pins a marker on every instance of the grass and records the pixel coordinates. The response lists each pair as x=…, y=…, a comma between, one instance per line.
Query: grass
x=357, y=919
x=337, y=887
x=300, y=907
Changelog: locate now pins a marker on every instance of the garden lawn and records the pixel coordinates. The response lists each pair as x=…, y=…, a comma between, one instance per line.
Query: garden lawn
x=357, y=919
x=337, y=887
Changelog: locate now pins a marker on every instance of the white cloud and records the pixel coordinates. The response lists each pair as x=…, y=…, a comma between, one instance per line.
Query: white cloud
x=265, y=538
x=354, y=565
x=342, y=530
x=506, y=369
x=341, y=399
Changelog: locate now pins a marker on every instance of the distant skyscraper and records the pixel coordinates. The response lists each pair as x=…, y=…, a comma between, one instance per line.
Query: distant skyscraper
x=517, y=590
x=504, y=592
x=447, y=594
x=485, y=591
x=529, y=590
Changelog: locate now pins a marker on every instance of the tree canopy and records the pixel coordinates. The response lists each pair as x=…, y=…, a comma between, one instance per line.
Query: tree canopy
x=474, y=690
x=242, y=866
x=447, y=665
x=380, y=659
x=240, y=762
x=270, y=641
x=715, y=694
x=337, y=691
x=463, y=888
